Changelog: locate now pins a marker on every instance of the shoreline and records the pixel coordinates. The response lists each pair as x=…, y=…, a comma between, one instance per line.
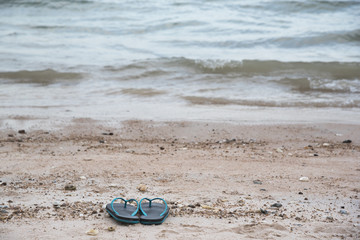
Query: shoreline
x=226, y=172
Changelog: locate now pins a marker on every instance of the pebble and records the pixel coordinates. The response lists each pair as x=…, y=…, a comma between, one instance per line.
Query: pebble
x=263, y=211
x=343, y=212
x=191, y=206
x=304, y=179
x=276, y=205
x=111, y=229
x=56, y=204
x=331, y=219
x=257, y=182
x=110, y=134
x=70, y=187
x=92, y=232
x=83, y=178
x=279, y=150
x=22, y=131
x=142, y=188
x=326, y=144
x=347, y=141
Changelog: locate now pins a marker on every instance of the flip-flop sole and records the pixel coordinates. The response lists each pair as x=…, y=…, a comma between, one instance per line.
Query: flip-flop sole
x=123, y=214
x=153, y=213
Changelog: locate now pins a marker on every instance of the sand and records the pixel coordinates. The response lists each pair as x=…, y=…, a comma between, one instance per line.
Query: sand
x=220, y=180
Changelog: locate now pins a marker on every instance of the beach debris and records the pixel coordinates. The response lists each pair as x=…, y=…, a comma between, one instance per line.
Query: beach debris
x=263, y=211
x=56, y=204
x=108, y=134
x=22, y=131
x=257, y=182
x=276, y=205
x=92, y=232
x=111, y=229
x=344, y=212
x=142, y=188
x=226, y=141
x=279, y=150
x=304, y=179
x=70, y=187
x=207, y=207
x=347, y=141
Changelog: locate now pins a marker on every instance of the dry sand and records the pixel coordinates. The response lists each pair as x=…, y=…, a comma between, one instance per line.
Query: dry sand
x=219, y=179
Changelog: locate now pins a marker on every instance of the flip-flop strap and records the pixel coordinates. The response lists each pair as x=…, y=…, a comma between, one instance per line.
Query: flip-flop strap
x=150, y=200
x=126, y=201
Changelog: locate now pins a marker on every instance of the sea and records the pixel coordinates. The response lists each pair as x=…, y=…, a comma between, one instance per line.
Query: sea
x=209, y=60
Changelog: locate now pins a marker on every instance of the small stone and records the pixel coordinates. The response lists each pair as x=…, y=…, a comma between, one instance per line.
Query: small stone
x=129, y=151
x=142, y=188
x=343, y=212
x=111, y=229
x=263, y=211
x=70, y=187
x=162, y=148
x=22, y=131
x=56, y=204
x=83, y=178
x=301, y=193
x=331, y=219
x=279, y=150
x=191, y=206
x=207, y=207
x=326, y=144
x=257, y=182
x=347, y=141
x=3, y=184
x=298, y=219
x=10, y=135
x=92, y=232
x=316, y=155
x=263, y=189
x=304, y=179
x=102, y=141
x=276, y=205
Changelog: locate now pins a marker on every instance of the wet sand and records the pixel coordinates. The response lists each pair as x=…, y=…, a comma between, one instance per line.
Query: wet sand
x=220, y=180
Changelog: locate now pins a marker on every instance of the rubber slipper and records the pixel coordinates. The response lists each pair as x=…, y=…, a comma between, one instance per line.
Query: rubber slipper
x=153, y=213
x=123, y=212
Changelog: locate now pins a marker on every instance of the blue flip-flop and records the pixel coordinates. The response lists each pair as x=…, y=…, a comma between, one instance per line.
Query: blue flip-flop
x=124, y=212
x=153, y=213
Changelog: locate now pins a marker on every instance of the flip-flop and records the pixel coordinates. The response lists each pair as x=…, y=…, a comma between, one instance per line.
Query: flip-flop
x=153, y=213
x=123, y=212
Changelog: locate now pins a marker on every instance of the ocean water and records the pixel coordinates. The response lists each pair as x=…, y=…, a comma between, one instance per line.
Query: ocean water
x=188, y=59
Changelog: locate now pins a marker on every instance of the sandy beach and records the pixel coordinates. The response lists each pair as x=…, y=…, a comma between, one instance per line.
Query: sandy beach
x=220, y=180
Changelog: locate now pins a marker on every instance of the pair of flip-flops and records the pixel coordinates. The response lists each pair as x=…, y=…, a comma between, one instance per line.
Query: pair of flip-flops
x=150, y=212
